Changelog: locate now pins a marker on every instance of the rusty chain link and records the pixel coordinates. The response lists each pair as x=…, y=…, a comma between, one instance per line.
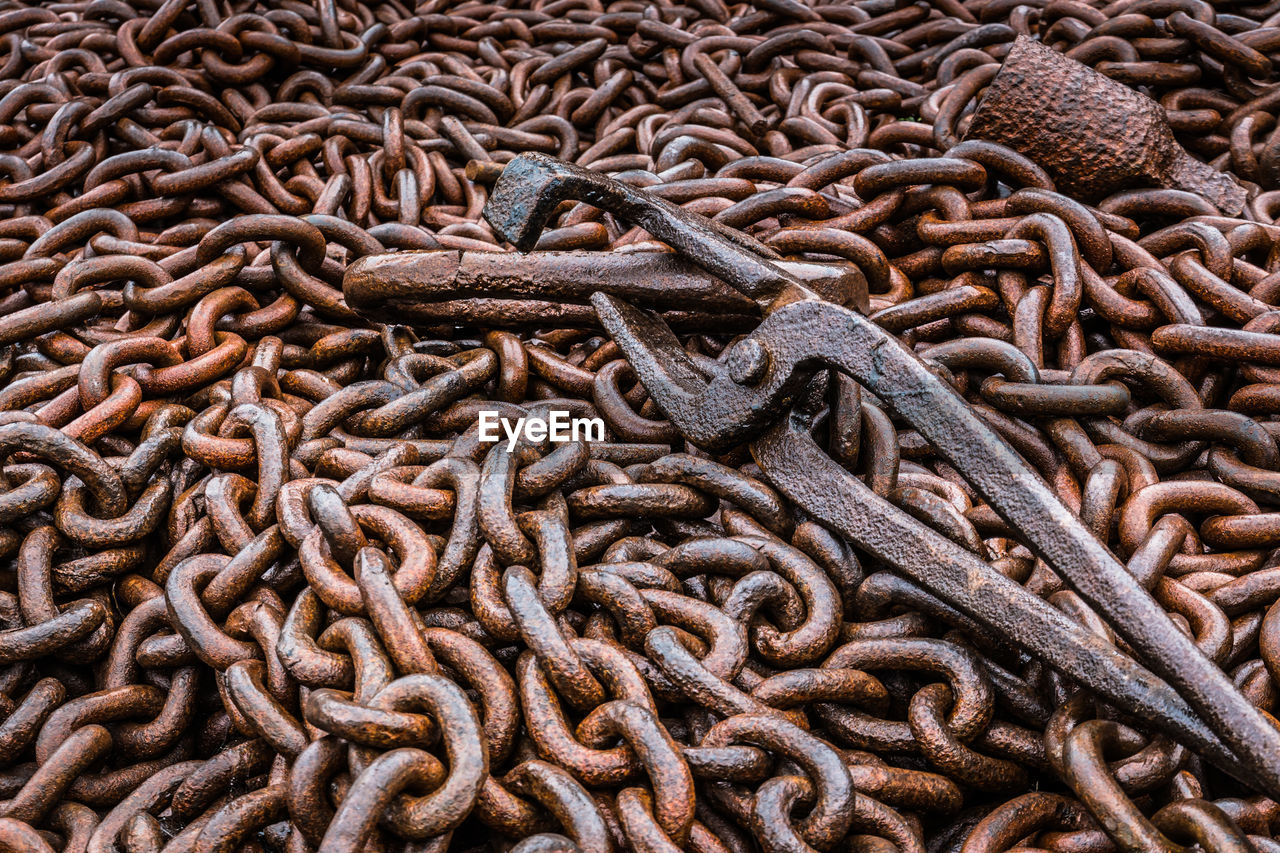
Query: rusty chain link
x=265, y=587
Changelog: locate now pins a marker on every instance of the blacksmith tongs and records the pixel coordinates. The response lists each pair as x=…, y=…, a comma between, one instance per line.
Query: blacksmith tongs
x=800, y=334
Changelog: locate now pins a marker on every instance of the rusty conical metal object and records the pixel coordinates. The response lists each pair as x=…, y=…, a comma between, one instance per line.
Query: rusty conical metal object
x=1095, y=136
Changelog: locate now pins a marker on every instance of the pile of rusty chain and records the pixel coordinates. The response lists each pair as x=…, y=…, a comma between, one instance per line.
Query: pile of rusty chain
x=264, y=588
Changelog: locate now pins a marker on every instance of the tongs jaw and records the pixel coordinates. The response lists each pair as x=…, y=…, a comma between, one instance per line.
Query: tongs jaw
x=658, y=357
x=767, y=368
x=533, y=185
x=714, y=412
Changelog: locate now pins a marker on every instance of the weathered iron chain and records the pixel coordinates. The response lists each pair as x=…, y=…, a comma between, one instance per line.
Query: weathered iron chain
x=265, y=588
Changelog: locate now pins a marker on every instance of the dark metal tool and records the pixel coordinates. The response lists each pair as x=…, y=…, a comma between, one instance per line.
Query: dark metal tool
x=1095, y=136
x=553, y=288
x=767, y=369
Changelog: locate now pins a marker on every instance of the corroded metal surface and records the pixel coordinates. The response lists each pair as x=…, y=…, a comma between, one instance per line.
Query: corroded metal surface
x=1094, y=135
x=553, y=288
x=800, y=333
x=988, y=563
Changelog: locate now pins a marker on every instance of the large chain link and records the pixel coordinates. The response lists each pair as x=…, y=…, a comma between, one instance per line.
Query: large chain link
x=265, y=588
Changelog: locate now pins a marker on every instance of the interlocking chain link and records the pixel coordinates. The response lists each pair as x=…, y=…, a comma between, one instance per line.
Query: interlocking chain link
x=265, y=587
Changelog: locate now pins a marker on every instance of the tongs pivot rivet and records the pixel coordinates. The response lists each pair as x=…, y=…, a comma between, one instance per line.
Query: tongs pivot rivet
x=748, y=361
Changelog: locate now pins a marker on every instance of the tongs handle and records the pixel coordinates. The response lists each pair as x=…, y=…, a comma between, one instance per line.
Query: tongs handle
x=853, y=345
x=800, y=469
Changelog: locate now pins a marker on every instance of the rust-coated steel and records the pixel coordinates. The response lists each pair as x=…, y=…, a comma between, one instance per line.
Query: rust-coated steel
x=937, y=505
